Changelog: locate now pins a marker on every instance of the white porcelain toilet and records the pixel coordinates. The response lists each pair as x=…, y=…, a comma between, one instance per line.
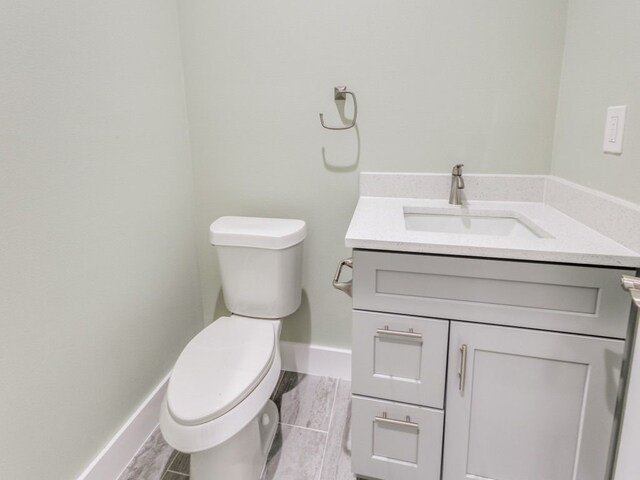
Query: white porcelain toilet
x=217, y=405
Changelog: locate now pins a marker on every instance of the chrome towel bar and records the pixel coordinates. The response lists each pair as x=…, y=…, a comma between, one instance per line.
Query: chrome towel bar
x=346, y=287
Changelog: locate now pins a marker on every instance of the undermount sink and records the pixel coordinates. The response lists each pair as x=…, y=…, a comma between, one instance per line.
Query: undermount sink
x=471, y=222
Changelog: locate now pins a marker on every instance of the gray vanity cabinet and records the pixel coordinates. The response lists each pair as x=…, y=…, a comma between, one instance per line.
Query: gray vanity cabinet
x=467, y=368
x=529, y=405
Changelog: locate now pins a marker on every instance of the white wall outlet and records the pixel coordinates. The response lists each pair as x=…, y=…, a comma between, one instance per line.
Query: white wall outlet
x=614, y=129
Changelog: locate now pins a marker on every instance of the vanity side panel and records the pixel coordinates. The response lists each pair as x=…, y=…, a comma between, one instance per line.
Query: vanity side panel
x=565, y=298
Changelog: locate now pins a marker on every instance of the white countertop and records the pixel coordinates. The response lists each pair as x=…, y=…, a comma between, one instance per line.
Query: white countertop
x=378, y=224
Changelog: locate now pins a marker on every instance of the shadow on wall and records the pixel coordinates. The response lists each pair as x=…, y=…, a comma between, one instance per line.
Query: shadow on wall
x=220, y=309
x=332, y=167
x=297, y=325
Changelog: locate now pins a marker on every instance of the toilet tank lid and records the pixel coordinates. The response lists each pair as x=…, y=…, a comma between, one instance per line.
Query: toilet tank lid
x=257, y=232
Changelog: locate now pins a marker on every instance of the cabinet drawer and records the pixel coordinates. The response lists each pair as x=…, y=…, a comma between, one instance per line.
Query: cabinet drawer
x=393, y=441
x=565, y=298
x=399, y=357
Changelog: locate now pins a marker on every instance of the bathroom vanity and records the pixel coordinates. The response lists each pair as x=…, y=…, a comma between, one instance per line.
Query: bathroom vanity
x=484, y=355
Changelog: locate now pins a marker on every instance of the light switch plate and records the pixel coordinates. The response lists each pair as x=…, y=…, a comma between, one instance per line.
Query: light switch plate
x=614, y=129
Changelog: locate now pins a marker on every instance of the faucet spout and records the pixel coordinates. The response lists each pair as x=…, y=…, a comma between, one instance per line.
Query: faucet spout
x=457, y=185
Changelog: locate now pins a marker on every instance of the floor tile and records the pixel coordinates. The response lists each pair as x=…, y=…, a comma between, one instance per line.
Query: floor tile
x=181, y=463
x=337, y=457
x=305, y=400
x=151, y=461
x=296, y=454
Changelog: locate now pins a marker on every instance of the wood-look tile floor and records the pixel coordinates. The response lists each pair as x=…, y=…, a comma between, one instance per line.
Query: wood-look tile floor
x=313, y=441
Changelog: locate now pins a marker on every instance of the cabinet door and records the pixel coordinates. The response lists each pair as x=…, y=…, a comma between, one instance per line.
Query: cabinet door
x=529, y=405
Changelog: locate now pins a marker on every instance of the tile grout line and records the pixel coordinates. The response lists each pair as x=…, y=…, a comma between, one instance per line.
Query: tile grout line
x=164, y=475
x=171, y=459
x=326, y=440
x=178, y=473
x=304, y=428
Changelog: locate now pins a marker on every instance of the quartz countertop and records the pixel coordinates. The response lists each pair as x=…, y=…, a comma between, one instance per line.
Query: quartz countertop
x=378, y=224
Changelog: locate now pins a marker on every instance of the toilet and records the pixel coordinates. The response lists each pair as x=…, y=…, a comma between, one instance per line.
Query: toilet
x=217, y=405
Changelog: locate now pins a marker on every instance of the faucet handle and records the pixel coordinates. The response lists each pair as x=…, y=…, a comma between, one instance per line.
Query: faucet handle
x=457, y=170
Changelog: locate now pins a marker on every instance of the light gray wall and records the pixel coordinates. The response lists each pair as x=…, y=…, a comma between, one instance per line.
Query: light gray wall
x=437, y=83
x=98, y=274
x=601, y=68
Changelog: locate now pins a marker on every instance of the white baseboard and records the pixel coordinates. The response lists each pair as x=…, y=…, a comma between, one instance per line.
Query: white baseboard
x=316, y=360
x=115, y=457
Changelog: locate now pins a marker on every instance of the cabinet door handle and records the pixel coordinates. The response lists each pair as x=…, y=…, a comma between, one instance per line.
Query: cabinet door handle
x=462, y=371
x=399, y=333
x=399, y=423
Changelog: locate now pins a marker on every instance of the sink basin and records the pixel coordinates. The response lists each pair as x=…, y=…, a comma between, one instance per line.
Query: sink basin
x=472, y=222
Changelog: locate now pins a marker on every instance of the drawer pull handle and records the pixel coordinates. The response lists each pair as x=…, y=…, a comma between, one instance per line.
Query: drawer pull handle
x=399, y=333
x=399, y=423
x=346, y=287
x=462, y=372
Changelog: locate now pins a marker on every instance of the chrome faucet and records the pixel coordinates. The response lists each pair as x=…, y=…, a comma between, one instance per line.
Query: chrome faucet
x=457, y=185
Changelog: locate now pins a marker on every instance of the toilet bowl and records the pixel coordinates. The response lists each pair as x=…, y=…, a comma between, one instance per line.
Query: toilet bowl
x=217, y=405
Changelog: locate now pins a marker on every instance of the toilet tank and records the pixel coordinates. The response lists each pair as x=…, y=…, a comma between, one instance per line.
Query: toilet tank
x=260, y=263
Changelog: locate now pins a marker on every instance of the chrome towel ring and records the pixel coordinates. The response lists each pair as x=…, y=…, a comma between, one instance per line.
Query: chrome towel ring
x=340, y=93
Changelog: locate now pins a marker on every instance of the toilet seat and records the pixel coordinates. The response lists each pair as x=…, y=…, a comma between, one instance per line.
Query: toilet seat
x=219, y=368
x=197, y=438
